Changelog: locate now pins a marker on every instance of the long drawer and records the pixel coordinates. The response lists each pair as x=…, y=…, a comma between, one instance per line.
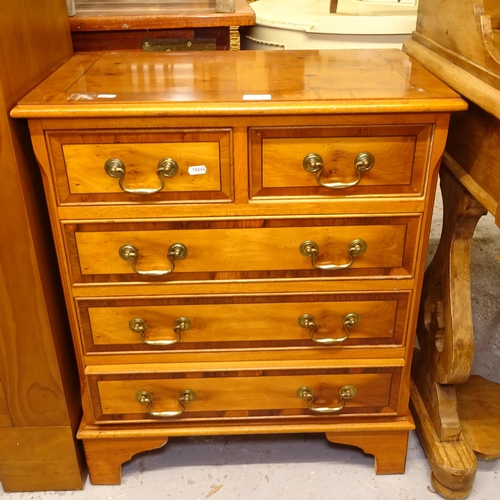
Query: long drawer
x=214, y=324
x=242, y=249
x=171, y=396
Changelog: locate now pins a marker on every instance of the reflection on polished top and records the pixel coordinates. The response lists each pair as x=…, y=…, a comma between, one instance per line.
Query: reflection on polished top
x=211, y=83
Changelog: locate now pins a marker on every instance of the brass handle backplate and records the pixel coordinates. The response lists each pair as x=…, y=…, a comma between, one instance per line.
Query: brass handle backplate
x=350, y=320
x=313, y=163
x=146, y=398
x=310, y=249
x=167, y=167
x=346, y=392
x=176, y=251
x=138, y=325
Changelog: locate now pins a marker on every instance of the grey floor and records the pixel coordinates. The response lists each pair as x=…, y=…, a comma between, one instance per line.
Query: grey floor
x=307, y=466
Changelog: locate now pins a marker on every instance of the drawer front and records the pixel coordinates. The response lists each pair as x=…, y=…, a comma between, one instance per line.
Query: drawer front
x=163, y=166
x=338, y=161
x=214, y=324
x=226, y=250
x=163, y=397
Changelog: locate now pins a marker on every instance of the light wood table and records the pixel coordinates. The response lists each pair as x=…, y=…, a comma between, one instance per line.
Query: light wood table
x=458, y=415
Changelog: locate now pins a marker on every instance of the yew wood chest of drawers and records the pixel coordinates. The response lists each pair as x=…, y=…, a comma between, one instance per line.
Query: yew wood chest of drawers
x=242, y=238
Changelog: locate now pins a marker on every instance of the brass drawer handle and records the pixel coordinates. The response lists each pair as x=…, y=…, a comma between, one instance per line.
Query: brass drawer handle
x=145, y=398
x=138, y=325
x=176, y=251
x=314, y=163
x=167, y=167
x=310, y=249
x=350, y=320
x=346, y=392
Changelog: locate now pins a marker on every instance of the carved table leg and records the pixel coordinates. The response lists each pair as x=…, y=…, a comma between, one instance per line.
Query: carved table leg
x=389, y=448
x=445, y=338
x=106, y=456
x=453, y=463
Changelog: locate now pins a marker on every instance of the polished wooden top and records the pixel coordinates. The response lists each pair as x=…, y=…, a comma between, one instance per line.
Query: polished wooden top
x=101, y=16
x=243, y=82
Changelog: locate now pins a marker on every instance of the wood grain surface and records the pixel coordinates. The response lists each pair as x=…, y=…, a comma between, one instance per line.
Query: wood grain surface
x=244, y=282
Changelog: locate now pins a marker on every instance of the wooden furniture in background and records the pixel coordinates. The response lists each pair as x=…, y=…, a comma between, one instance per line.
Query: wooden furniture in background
x=39, y=391
x=456, y=414
x=167, y=26
x=242, y=238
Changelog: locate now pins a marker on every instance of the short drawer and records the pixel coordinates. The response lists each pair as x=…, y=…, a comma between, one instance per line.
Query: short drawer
x=245, y=249
x=338, y=161
x=170, y=397
x=142, y=166
x=215, y=324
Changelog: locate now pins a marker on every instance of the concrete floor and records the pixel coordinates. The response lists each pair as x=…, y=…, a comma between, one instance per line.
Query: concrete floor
x=308, y=466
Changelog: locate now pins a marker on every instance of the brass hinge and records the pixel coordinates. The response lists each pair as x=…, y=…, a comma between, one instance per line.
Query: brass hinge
x=177, y=44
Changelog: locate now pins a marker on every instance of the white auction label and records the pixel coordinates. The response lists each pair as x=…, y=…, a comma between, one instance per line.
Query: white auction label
x=257, y=97
x=197, y=170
